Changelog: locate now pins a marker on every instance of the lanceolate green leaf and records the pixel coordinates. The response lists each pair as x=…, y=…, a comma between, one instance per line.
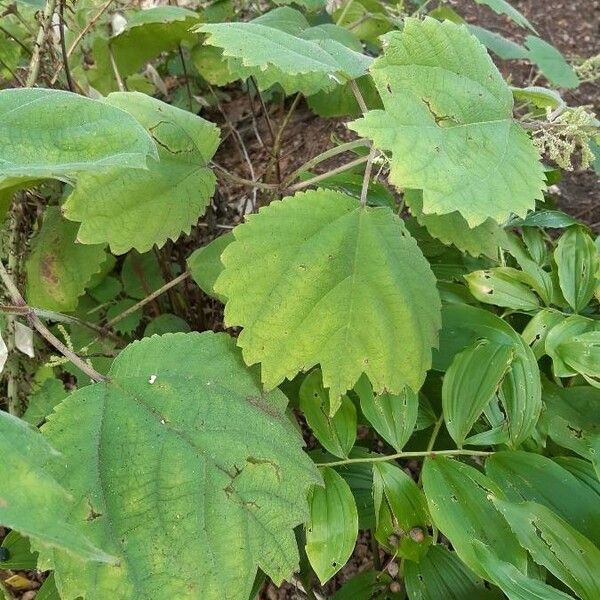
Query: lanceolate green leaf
x=578, y=264
x=503, y=7
x=448, y=123
x=460, y=500
x=50, y=133
x=468, y=387
x=332, y=528
x=31, y=501
x=514, y=583
x=452, y=228
x=335, y=433
x=499, y=45
x=401, y=512
x=280, y=47
x=529, y=476
x=59, y=269
x=553, y=543
x=551, y=62
x=135, y=209
x=317, y=278
x=183, y=469
x=441, y=574
x=393, y=416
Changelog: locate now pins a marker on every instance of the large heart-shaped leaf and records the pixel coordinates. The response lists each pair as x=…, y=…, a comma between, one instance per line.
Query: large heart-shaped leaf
x=447, y=120
x=130, y=209
x=280, y=47
x=318, y=279
x=184, y=470
x=50, y=133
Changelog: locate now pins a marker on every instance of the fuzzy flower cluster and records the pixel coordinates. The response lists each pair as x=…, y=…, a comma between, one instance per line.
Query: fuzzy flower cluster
x=589, y=70
x=561, y=136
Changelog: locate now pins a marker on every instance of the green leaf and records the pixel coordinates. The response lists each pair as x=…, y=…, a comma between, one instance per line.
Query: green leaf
x=532, y=477
x=578, y=264
x=401, y=512
x=141, y=275
x=542, y=98
x=49, y=134
x=367, y=585
x=340, y=101
x=582, y=469
x=553, y=543
x=514, y=583
x=33, y=502
x=176, y=461
x=460, y=501
x=448, y=123
x=58, y=268
x=43, y=400
x=19, y=551
x=310, y=279
x=335, y=433
x=546, y=218
x=441, y=574
x=166, y=323
x=332, y=528
x=209, y=62
x=129, y=324
x=309, y=5
x=551, y=63
x=206, y=266
x=467, y=388
x=280, y=47
x=137, y=209
x=150, y=32
x=48, y=590
x=504, y=286
x=499, y=45
x=502, y=7
x=393, y=416
x=452, y=228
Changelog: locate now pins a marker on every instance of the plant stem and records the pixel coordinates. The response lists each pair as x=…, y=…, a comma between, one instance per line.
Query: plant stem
x=303, y=184
x=46, y=21
x=63, y=47
x=80, y=36
x=37, y=324
x=359, y=97
x=344, y=12
x=13, y=37
x=149, y=298
x=326, y=156
x=113, y=64
x=367, y=176
x=241, y=181
x=432, y=439
x=420, y=454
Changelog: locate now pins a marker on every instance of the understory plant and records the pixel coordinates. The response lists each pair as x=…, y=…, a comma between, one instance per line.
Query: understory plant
x=409, y=352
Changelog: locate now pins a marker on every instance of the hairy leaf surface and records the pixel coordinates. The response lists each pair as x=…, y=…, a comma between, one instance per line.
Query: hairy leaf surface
x=280, y=47
x=134, y=209
x=183, y=469
x=50, y=133
x=448, y=124
x=317, y=278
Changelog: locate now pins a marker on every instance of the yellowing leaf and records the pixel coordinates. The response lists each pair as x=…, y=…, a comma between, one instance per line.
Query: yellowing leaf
x=447, y=121
x=182, y=468
x=318, y=279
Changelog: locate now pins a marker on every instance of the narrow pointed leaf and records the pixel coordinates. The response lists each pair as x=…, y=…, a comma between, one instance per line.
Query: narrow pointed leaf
x=551, y=63
x=460, y=500
x=311, y=279
x=393, y=416
x=332, y=528
x=553, y=543
x=336, y=433
x=503, y=286
x=468, y=388
x=503, y=7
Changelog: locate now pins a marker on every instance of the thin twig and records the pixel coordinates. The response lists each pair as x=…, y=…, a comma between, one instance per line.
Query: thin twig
x=34, y=64
x=303, y=184
x=37, y=324
x=420, y=454
x=366, y=178
x=80, y=36
x=113, y=64
x=187, y=79
x=13, y=37
x=63, y=47
x=241, y=181
x=358, y=95
x=148, y=298
x=13, y=74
